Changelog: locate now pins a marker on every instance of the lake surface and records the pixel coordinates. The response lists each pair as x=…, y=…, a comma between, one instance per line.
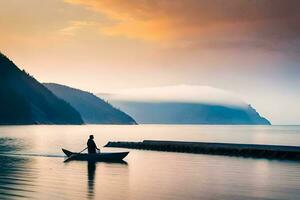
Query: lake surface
x=31, y=164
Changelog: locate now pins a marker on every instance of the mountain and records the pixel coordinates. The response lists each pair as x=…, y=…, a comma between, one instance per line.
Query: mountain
x=185, y=105
x=92, y=109
x=189, y=113
x=23, y=100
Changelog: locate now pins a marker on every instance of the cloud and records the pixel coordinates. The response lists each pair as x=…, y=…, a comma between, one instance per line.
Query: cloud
x=75, y=26
x=178, y=93
x=268, y=22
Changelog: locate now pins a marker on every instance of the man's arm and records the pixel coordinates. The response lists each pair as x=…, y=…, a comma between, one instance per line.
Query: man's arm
x=95, y=145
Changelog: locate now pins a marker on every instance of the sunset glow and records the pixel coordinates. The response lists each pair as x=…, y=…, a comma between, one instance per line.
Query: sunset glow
x=249, y=48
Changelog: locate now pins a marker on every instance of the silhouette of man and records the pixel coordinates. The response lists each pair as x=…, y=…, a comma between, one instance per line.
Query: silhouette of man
x=91, y=145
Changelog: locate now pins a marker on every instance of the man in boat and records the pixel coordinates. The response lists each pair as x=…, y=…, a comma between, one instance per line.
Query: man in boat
x=91, y=145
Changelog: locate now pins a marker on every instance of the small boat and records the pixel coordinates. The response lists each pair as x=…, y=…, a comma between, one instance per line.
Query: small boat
x=97, y=157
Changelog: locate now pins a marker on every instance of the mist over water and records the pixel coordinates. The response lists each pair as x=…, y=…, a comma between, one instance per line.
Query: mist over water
x=31, y=164
x=179, y=94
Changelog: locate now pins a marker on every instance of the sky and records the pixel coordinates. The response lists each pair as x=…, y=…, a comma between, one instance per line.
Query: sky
x=248, y=47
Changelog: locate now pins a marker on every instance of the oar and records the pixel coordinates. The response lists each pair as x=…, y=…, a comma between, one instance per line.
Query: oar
x=75, y=154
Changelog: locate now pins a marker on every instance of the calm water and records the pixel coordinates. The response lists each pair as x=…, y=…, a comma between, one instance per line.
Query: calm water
x=31, y=164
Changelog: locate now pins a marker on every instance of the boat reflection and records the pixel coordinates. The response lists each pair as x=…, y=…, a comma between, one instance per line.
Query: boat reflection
x=91, y=166
x=91, y=179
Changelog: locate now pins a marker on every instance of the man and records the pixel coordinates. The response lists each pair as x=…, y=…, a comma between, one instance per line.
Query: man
x=91, y=145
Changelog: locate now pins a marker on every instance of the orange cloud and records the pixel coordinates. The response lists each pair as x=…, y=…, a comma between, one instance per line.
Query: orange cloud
x=151, y=20
x=130, y=21
x=75, y=26
x=205, y=22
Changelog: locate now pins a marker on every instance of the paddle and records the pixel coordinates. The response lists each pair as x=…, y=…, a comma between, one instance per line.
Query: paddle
x=75, y=154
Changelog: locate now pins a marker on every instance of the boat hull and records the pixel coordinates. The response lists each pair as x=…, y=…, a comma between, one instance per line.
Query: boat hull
x=97, y=157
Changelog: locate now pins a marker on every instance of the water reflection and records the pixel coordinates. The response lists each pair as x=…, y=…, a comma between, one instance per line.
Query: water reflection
x=91, y=178
x=16, y=176
x=10, y=145
x=91, y=166
x=171, y=175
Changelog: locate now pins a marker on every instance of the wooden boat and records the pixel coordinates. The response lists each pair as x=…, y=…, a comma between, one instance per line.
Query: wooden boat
x=97, y=157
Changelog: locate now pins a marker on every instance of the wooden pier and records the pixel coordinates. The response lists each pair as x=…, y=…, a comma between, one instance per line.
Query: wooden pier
x=228, y=149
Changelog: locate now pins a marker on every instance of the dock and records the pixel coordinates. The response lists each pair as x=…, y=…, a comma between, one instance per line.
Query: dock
x=226, y=149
